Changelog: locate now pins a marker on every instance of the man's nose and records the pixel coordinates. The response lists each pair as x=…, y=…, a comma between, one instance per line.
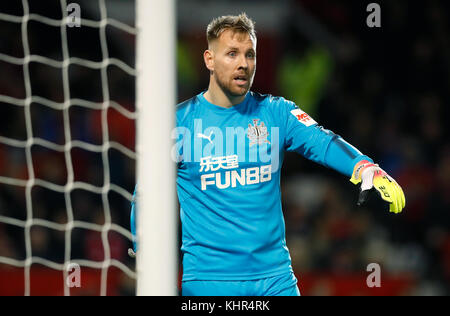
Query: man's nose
x=243, y=63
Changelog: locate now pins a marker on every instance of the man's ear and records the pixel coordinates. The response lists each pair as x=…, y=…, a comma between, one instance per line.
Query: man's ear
x=208, y=57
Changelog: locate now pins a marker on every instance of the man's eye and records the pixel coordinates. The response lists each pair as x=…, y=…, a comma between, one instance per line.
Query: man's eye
x=232, y=54
x=250, y=55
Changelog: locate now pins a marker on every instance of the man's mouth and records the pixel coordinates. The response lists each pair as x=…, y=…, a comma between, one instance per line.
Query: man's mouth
x=241, y=80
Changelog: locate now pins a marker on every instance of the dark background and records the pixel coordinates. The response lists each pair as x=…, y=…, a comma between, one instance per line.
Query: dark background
x=384, y=90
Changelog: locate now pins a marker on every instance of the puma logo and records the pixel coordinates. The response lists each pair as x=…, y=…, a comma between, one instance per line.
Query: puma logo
x=200, y=135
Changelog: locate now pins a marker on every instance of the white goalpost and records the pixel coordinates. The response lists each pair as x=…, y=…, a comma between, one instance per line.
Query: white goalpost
x=156, y=230
x=155, y=76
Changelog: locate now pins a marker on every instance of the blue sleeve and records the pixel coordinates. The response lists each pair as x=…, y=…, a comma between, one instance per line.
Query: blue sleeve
x=133, y=220
x=304, y=136
x=342, y=157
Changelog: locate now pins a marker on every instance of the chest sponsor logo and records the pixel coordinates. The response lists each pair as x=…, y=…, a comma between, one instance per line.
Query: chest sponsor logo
x=232, y=177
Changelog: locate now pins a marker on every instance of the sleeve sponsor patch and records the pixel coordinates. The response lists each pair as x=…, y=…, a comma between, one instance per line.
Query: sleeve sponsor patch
x=303, y=118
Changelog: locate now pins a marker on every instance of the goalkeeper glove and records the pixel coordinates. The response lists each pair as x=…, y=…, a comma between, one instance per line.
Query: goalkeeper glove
x=372, y=177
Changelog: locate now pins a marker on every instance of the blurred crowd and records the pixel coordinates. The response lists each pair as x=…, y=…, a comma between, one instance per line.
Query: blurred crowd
x=384, y=90
x=387, y=95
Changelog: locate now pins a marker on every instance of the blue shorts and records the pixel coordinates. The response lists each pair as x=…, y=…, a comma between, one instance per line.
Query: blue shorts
x=280, y=285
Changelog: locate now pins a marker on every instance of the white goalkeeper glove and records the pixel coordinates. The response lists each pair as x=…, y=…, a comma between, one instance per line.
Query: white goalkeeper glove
x=373, y=178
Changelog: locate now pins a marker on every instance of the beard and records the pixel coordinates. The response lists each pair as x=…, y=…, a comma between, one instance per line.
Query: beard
x=231, y=88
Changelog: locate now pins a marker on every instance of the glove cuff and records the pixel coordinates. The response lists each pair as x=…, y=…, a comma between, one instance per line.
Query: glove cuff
x=358, y=170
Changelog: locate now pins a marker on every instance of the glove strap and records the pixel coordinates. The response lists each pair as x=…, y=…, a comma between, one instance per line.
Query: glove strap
x=358, y=170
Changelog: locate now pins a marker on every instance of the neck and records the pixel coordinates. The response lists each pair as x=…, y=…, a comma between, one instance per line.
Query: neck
x=217, y=96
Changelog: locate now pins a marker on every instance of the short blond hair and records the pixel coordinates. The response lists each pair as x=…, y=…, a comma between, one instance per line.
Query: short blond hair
x=238, y=23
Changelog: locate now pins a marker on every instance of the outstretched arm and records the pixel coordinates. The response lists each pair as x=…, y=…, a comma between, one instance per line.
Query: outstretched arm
x=304, y=136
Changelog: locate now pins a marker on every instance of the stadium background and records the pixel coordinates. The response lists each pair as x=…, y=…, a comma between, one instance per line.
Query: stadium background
x=385, y=90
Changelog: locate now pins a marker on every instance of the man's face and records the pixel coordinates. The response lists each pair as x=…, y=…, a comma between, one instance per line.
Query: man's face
x=234, y=62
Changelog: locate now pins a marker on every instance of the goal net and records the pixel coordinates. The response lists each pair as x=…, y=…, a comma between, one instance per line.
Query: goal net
x=68, y=148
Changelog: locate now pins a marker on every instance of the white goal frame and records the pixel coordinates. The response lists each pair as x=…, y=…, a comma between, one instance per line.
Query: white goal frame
x=157, y=264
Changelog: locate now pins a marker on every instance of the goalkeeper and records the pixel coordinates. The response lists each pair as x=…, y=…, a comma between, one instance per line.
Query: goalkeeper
x=231, y=145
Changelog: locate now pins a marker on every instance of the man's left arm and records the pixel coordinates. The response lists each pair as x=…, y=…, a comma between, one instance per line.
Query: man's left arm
x=304, y=136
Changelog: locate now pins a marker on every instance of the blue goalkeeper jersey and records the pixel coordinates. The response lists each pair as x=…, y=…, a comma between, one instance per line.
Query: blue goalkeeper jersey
x=228, y=184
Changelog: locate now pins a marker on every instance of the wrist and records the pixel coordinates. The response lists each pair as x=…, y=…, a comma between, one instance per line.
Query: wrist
x=359, y=169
